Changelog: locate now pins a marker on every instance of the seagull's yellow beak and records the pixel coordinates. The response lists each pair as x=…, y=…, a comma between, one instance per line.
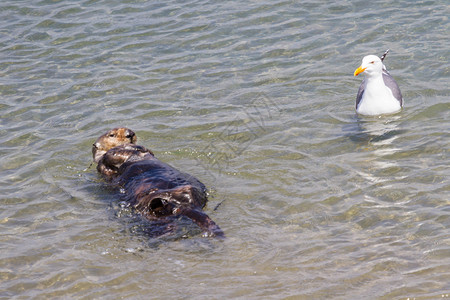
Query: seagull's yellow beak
x=359, y=70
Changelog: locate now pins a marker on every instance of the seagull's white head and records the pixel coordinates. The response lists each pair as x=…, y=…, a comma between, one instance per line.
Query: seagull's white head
x=371, y=65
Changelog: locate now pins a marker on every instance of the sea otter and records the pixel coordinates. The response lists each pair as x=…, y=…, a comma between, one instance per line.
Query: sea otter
x=152, y=187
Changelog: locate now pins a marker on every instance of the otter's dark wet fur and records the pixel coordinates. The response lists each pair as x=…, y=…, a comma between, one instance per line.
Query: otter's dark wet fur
x=152, y=187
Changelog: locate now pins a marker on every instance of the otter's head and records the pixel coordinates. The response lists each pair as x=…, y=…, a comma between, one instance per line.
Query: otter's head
x=113, y=138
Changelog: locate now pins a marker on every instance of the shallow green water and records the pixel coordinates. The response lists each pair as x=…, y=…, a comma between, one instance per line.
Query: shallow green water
x=256, y=100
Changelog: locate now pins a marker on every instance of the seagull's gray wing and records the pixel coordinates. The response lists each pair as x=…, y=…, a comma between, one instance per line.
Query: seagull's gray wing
x=360, y=93
x=390, y=83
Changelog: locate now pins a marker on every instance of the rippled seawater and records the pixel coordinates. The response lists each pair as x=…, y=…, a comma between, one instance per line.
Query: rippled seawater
x=256, y=99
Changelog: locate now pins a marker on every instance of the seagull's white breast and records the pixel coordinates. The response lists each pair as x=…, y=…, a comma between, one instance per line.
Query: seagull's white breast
x=377, y=98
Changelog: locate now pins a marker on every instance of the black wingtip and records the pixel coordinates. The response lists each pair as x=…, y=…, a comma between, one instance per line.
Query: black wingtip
x=384, y=55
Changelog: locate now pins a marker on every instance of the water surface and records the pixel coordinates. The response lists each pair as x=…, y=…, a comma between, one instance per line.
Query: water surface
x=256, y=100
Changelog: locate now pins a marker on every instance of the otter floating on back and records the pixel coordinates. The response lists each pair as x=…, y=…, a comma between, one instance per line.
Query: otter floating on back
x=153, y=188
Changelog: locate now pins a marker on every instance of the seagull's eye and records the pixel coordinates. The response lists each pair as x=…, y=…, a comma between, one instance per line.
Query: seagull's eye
x=372, y=62
x=111, y=135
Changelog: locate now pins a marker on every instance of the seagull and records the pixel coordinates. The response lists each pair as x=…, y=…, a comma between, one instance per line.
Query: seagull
x=378, y=93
